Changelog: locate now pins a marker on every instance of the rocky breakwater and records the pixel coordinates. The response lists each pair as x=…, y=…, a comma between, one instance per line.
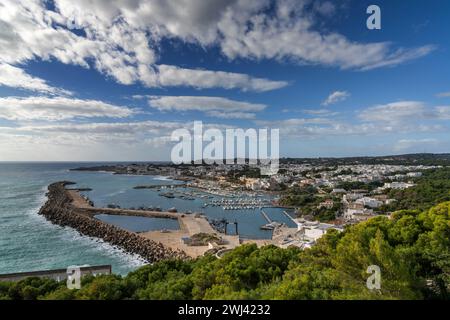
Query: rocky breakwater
x=60, y=210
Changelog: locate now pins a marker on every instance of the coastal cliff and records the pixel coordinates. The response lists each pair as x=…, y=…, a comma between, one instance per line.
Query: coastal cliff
x=60, y=210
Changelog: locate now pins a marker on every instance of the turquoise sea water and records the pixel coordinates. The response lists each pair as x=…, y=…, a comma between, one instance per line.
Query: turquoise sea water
x=139, y=224
x=28, y=242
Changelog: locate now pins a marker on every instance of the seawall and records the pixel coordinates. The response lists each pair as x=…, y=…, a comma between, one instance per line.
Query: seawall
x=60, y=210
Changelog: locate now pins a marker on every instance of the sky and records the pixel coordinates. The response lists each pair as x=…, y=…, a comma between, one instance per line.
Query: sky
x=101, y=80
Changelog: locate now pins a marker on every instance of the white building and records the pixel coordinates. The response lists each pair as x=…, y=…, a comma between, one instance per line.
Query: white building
x=369, y=202
x=354, y=214
x=314, y=230
x=397, y=185
x=352, y=197
x=414, y=174
x=335, y=191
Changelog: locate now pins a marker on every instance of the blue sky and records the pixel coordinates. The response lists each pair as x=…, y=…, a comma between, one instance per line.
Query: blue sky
x=96, y=80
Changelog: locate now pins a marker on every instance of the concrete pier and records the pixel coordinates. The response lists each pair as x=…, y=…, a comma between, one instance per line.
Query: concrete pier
x=266, y=216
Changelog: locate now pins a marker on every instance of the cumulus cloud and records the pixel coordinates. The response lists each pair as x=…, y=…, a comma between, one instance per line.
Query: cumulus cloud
x=391, y=118
x=175, y=76
x=249, y=31
x=57, y=108
x=84, y=141
x=128, y=141
x=325, y=127
x=398, y=112
x=214, y=106
x=122, y=38
x=15, y=77
x=393, y=112
x=147, y=128
x=336, y=97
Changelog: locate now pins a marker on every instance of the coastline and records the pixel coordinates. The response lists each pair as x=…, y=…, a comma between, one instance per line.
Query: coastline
x=63, y=209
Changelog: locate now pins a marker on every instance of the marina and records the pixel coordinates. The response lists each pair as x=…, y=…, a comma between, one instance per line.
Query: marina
x=244, y=207
x=238, y=204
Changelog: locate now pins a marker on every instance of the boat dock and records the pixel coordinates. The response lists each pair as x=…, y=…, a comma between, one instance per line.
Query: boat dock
x=289, y=216
x=238, y=204
x=266, y=216
x=159, y=186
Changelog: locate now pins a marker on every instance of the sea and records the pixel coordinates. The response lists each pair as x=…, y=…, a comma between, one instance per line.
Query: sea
x=28, y=242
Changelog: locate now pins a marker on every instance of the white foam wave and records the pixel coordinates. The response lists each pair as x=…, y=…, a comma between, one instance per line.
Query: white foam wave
x=162, y=178
x=130, y=261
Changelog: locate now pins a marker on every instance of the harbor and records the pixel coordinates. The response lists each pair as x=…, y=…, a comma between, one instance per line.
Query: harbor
x=152, y=245
x=175, y=197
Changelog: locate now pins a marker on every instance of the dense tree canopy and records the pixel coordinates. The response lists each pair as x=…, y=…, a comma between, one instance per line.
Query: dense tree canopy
x=431, y=189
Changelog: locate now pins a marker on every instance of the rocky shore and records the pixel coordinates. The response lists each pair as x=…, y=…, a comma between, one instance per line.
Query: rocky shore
x=59, y=209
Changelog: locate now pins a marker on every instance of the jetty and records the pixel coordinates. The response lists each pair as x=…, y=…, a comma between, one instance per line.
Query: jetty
x=67, y=207
x=289, y=216
x=271, y=225
x=266, y=216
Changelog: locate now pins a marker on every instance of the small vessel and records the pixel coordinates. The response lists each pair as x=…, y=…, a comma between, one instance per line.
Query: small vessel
x=270, y=226
x=169, y=195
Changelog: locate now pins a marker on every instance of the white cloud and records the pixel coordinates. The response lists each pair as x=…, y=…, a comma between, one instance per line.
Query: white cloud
x=231, y=115
x=249, y=31
x=392, y=118
x=401, y=111
x=107, y=129
x=87, y=141
x=320, y=112
x=408, y=145
x=336, y=97
x=15, y=77
x=121, y=38
x=175, y=76
x=326, y=8
x=442, y=112
x=136, y=130
x=405, y=111
x=323, y=127
x=213, y=106
x=140, y=140
x=443, y=95
x=57, y=108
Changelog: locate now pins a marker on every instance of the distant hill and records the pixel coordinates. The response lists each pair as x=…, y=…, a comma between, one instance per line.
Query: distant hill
x=405, y=159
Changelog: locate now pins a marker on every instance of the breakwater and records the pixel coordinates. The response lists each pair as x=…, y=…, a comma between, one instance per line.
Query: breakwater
x=61, y=210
